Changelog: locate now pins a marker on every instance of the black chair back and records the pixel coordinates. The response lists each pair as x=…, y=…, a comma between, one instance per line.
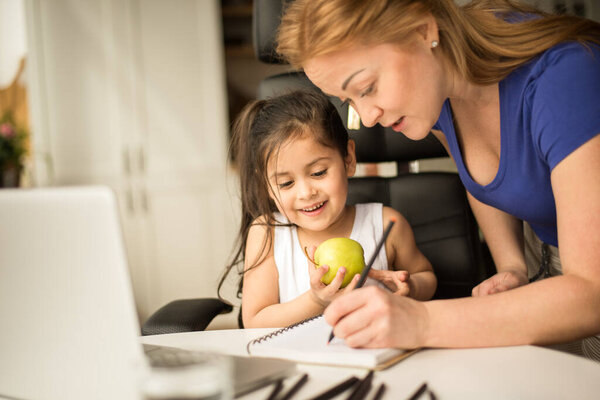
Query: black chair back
x=434, y=203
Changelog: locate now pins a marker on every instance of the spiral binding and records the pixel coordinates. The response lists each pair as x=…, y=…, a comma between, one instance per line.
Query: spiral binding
x=279, y=332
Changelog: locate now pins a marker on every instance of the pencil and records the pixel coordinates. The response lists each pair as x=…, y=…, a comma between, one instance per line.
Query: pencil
x=365, y=272
x=276, y=390
x=361, y=390
x=334, y=391
x=380, y=392
x=295, y=388
x=419, y=392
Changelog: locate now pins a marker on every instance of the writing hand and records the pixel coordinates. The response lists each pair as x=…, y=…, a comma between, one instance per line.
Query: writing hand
x=373, y=317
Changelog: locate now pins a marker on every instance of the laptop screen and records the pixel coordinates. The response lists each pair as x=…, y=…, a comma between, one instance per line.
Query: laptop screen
x=69, y=327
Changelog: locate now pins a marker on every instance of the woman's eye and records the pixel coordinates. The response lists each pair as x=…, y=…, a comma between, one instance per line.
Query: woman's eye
x=368, y=91
x=320, y=173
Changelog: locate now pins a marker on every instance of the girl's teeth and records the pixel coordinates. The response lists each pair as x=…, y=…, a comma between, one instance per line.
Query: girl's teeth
x=312, y=208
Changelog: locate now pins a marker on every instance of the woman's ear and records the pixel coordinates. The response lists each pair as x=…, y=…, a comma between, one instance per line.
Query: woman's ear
x=428, y=30
x=350, y=160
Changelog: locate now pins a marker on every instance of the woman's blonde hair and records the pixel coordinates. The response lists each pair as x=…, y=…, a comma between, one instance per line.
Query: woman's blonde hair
x=484, y=40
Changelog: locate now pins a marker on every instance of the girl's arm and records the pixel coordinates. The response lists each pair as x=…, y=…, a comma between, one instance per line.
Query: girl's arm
x=260, y=293
x=415, y=277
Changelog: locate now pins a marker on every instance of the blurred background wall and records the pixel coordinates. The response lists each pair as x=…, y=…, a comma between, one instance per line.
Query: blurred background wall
x=139, y=95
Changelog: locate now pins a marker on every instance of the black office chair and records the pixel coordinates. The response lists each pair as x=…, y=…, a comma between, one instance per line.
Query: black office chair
x=434, y=203
x=187, y=315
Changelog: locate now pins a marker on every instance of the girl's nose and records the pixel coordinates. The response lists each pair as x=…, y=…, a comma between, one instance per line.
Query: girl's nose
x=305, y=189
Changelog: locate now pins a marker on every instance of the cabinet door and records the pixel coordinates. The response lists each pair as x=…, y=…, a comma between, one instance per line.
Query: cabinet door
x=131, y=94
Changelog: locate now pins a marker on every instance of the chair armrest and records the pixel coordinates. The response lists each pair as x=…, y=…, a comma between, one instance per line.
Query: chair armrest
x=187, y=315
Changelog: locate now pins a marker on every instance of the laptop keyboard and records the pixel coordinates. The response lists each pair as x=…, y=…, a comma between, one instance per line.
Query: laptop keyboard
x=161, y=356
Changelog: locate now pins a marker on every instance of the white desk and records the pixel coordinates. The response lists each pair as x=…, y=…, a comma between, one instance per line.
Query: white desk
x=523, y=372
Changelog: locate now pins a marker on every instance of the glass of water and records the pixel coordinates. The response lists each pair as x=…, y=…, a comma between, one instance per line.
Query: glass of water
x=188, y=376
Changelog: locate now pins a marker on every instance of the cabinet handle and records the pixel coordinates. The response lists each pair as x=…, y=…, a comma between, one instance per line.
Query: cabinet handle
x=145, y=203
x=142, y=160
x=130, y=202
x=126, y=162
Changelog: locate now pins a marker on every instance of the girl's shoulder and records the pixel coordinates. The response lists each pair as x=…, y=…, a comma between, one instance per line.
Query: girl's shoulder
x=390, y=213
x=387, y=213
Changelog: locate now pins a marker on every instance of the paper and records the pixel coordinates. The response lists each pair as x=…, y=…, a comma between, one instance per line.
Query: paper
x=307, y=342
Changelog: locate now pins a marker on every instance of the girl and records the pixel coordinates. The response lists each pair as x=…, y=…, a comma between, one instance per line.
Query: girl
x=295, y=158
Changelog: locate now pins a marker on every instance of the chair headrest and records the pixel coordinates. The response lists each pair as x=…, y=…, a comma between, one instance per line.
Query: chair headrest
x=266, y=17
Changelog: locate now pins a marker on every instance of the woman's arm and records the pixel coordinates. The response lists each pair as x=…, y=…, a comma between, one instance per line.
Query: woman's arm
x=504, y=237
x=557, y=309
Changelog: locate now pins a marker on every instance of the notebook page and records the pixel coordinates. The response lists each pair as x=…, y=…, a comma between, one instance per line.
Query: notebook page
x=307, y=342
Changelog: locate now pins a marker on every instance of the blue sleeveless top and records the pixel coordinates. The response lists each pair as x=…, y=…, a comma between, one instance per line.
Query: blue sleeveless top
x=548, y=108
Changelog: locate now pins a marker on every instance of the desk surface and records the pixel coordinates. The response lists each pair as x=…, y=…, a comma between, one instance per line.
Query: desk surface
x=521, y=372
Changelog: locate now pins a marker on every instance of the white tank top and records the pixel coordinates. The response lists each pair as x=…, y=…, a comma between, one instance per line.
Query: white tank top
x=293, y=265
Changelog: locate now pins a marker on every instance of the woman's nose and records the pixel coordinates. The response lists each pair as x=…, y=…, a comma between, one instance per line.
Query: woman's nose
x=369, y=114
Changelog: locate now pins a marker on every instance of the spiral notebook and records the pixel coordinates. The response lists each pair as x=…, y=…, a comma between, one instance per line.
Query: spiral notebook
x=306, y=342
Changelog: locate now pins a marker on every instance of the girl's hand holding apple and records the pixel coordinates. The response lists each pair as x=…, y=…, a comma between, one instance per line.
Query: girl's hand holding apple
x=323, y=293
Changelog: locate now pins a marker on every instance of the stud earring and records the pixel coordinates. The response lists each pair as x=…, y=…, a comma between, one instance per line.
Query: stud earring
x=434, y=44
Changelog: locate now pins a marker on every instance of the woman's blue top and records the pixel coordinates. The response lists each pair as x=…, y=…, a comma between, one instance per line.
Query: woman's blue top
x=548, y=108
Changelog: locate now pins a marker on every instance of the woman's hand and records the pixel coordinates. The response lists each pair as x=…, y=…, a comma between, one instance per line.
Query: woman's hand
x=397, y=281
x=324, y=294
x=501, y=282
x=373, y=317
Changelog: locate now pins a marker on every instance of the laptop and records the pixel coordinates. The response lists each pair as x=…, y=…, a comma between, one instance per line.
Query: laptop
x=69, y=326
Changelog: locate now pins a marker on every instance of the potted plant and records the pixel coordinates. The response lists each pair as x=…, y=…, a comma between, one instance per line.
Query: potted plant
x=13, y=148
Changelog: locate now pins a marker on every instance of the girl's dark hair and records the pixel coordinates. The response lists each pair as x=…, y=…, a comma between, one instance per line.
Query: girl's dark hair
x=258, y=133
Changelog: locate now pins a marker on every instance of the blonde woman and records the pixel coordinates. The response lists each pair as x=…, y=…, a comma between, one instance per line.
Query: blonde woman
x=514, y=96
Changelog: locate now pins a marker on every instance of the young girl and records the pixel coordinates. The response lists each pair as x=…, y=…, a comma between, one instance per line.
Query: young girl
x=295, y=158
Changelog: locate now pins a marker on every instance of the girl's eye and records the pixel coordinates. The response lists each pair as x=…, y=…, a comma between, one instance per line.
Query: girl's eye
x=320, y=173
x=284, y=184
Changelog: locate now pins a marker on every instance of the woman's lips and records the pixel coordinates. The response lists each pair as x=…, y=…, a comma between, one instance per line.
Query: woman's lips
x=398, y=125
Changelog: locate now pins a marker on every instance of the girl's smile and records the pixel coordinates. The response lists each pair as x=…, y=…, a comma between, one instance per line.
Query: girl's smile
x=309, y=182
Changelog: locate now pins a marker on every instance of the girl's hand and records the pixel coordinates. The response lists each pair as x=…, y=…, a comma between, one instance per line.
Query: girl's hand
x=373, y=317
x=500, y=282
x=396, y=281
x=324, y=294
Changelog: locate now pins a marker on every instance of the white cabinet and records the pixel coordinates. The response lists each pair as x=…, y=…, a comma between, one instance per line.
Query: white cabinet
x=131, y=94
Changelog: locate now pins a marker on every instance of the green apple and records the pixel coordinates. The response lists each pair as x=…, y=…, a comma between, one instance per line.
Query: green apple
x=340, y=252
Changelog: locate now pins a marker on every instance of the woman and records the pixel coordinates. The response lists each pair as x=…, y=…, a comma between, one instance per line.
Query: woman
x=514, y=96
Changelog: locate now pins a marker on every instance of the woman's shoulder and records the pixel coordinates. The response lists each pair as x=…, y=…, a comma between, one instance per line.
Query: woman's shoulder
x=570, y=59
x=572, y=52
